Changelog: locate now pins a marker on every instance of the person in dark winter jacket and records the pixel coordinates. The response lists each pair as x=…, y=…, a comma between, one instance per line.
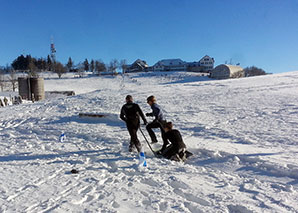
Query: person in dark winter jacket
x=131, y=113
x=158, y=119
x=176, y=149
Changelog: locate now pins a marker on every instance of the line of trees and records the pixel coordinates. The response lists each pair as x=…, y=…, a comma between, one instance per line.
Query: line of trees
x=34, y=66
x=253, y=71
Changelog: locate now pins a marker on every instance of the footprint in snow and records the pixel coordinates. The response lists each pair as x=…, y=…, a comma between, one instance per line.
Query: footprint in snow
x=193, y=208
x=85, y=190
x=163, y=206
x=176, y=184
x=281, y=187
x=115, y=204
x=150, y=182
x=79, y=201
x=192, y=198
x=238, y=208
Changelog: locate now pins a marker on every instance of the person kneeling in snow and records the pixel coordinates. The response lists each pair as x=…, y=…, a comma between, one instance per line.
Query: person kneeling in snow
x=130, y=113
x=176, y=150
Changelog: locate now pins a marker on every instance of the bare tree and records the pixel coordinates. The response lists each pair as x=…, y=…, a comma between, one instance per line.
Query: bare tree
x=59, y=68
x=100, y=66
x=123, y=65
x=13, y=79
x=2, y=81
x=114, y=64
x=253, y=71
x=239, y=74
x=81, y=69
x=32, y=69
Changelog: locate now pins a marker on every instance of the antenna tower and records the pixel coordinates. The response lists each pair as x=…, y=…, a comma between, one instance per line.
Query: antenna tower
x=53, y=50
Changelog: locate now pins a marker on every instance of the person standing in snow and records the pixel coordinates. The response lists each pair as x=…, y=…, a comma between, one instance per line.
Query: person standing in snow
x=131, y=113
x=176, y=149
x=158, y=121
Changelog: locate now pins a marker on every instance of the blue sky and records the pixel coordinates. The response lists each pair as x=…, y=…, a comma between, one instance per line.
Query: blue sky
x=263, y=33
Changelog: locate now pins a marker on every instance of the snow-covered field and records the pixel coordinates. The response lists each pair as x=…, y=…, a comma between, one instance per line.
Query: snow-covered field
x=243, y=133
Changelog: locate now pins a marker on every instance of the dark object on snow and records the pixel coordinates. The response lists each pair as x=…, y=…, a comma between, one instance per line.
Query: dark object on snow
x=17, y=100
x=1, y=103
x=93, y=115
x=5, y=101
x=67, y=93
x=181, y=157
x=188, y=154
x=74, y=171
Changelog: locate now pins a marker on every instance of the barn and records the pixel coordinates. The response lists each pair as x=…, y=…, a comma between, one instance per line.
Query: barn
x=225, y=71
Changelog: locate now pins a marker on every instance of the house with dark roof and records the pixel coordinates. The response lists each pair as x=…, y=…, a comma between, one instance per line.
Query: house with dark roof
x=170, y=65
x=137, y=66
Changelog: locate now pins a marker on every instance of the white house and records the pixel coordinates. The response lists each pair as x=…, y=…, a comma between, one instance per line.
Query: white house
x=170, y=65
x=207, y=63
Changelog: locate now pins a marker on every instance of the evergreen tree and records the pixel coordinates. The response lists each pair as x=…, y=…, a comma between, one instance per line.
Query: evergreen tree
x=40, y=64
x=92, y=65
x=20, y=63
x=86, y=65
x=69, y=64
x=49, y=63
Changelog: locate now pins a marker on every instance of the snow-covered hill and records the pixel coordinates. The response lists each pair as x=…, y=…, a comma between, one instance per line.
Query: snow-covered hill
x=243, y=133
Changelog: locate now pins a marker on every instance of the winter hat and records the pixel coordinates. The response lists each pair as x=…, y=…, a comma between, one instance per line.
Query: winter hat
x=128, y=98
x=168, y=125
x=151, y=98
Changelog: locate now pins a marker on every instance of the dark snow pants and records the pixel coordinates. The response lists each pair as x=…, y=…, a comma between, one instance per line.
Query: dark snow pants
x=134, y=141
x=153, y=125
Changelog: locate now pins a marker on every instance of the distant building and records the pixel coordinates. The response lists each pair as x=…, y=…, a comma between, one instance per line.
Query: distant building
x=137, y=66
x=205, y=64
x=170, y=65
x=225, y=71
x=195, y=67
